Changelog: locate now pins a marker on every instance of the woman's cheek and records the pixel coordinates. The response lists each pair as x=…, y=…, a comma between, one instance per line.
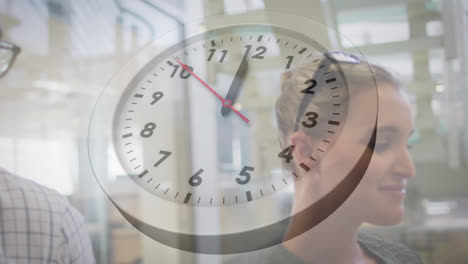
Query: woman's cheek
x=376, y=170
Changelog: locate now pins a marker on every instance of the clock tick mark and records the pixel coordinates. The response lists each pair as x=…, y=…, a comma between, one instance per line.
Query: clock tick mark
x=170, y=63
x=295, y=175
x=142, y=174
x=128, y=143
x=321, y=150
x=249, y=196
x=132, y=160
x=305, y=167
x=130, y=152
x=302, y=50
x=326, y=141
x=177, y=194
x=213, y=43
x=166, y=191
x=138, y=96
x=259, y=38
x=162, y=68
x=295, y=47
x=149, y=180
x=187, y=198
x=272, y=186
x=127, y=135
x=285, y=182
x=261, y=192
x=137, y=167
x=157, y=186
x=199, y=198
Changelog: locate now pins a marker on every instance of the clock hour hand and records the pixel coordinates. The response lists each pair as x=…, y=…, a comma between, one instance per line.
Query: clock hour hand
x=236, y=84
x=224, y=102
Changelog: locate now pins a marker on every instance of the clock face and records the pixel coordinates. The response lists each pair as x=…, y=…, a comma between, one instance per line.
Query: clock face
x=193, y=125
x=219, y=91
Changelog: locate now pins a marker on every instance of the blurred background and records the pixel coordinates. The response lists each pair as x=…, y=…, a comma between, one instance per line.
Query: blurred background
x=70, y=49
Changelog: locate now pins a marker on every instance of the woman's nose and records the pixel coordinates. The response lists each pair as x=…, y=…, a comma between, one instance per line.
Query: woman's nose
x=404, y=165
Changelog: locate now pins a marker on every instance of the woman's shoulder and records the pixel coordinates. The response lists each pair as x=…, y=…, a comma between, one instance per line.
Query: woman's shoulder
x=386, y=251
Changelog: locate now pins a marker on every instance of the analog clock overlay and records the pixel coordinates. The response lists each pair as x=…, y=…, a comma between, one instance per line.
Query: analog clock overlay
x=211, y=88
x=190, y=124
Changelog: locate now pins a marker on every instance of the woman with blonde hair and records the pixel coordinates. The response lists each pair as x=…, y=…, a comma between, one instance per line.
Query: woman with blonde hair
x=378, y=198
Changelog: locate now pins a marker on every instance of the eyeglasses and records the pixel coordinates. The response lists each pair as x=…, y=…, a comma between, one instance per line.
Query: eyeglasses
x=8, y=53
x=332, y=57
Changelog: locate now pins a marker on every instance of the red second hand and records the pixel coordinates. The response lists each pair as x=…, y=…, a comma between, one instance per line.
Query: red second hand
x=226, y=103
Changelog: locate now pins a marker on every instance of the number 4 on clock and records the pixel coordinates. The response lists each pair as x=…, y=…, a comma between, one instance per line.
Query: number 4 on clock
x=287, y=154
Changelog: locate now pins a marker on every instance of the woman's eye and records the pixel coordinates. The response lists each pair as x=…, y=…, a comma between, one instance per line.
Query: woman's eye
x=382, y=146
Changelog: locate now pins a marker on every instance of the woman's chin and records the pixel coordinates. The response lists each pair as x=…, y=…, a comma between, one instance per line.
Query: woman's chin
x=389, y=217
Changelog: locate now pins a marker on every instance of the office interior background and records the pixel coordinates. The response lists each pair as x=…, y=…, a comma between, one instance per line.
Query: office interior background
x=71, y=49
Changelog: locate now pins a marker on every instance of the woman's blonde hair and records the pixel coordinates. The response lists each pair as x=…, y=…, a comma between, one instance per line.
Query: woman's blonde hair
x=292, y=83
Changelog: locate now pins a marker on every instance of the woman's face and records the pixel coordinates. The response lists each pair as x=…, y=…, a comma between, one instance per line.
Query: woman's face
x=379, y=197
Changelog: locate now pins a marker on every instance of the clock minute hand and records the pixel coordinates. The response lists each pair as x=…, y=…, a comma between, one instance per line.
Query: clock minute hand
x=236, y=84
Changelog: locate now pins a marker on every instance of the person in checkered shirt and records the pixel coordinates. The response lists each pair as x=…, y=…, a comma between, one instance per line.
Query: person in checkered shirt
x=37, y=225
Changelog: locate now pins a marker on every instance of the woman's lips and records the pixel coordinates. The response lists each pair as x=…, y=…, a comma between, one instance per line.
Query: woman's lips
x=397, y=190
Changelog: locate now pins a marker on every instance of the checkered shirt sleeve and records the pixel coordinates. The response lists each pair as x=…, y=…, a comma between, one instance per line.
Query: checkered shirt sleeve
x=38, y=225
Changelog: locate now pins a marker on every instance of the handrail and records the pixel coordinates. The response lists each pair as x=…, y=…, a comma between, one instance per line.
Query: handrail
x=130, y=12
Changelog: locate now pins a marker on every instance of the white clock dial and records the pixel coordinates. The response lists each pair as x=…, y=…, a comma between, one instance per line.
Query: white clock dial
x=193, y=124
